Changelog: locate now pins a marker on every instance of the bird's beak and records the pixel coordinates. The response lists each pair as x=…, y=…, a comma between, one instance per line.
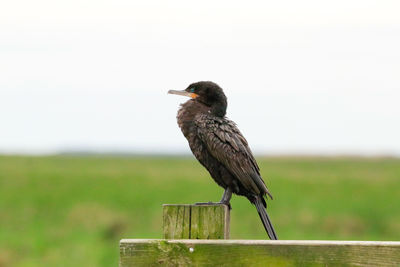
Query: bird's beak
x=183, y=92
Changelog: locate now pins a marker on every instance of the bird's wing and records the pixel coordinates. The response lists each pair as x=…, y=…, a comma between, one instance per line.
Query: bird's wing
x=225, y=142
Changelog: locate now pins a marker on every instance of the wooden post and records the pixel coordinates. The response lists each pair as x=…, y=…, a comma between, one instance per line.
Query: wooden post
x=196, y=221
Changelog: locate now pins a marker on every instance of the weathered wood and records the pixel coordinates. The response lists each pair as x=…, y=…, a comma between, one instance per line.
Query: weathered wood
x=196, y=221
x=152, y=252
x=176, y=221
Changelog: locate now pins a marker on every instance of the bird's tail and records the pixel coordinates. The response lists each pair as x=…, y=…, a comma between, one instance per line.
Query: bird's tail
x=261, y=209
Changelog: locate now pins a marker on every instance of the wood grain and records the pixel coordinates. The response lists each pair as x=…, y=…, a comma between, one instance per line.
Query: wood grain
x=153, y=252
x=195, y=221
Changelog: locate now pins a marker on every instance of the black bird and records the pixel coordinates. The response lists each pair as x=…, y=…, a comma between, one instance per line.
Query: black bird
x=219, y=146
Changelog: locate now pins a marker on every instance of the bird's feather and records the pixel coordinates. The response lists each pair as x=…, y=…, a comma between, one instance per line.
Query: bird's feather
x=262, y=212
x=225, y=142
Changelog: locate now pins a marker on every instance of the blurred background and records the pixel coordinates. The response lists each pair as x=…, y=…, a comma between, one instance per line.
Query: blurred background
x=89, y=144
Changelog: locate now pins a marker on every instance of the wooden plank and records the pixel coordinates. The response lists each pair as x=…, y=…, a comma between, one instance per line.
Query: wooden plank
x=151, y=252
x=196, y=221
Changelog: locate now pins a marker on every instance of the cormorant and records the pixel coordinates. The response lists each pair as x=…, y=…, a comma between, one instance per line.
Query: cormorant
x=219, y=146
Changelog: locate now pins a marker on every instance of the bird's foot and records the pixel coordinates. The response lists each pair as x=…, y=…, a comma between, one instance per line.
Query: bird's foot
x=214, y=203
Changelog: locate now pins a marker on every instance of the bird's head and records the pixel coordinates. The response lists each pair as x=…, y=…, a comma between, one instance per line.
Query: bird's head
x=207, y=93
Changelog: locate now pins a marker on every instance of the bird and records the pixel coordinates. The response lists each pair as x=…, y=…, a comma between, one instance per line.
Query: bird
x=220, y=147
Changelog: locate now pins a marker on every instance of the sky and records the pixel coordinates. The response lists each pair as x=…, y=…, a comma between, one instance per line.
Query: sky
x=301, y=77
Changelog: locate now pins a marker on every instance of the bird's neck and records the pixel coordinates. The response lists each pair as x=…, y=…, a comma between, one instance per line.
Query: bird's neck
x=218, y=109
x=191, y=108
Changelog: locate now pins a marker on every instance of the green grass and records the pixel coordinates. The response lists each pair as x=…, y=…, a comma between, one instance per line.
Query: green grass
x=72, y=211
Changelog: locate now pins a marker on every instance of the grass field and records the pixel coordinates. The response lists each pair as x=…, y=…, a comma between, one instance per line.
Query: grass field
x=72, y=211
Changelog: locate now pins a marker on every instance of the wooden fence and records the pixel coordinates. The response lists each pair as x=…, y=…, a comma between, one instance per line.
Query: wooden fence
x=204, y=229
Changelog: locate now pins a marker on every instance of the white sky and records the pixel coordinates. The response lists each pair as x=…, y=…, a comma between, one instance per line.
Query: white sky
x=300, y=76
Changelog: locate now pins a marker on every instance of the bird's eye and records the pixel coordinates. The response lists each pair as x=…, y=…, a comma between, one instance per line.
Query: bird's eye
x=192, y=90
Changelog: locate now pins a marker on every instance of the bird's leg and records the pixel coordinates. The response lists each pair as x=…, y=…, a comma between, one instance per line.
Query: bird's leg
x=226, y=197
